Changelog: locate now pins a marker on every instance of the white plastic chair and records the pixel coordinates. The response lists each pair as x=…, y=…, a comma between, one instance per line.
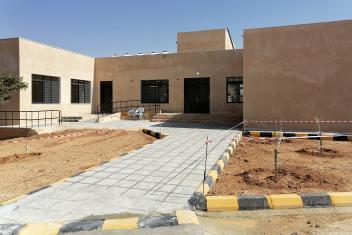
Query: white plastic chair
x=132, y=113
x=140, y=113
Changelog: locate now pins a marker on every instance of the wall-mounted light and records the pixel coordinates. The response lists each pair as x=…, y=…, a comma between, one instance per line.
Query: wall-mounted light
x=197, y=73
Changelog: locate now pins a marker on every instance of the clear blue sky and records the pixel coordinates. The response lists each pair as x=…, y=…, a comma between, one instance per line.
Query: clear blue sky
x=104, y=27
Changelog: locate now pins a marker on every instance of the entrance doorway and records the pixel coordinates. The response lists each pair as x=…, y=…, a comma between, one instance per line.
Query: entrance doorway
x=106, y=96
x=196, y=95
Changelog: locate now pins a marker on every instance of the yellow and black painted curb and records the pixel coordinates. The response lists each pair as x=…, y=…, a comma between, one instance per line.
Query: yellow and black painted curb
x=309, y=135
x=179, y=217
x=198, y=199
x=278, y=201
x=157, y=135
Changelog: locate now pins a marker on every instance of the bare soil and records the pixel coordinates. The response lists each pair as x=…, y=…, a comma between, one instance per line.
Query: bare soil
x=52, y=159
x=301, y=168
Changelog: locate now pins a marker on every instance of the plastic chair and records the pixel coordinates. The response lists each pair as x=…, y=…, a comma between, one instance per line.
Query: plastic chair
x=140, y=113
x=132, y=113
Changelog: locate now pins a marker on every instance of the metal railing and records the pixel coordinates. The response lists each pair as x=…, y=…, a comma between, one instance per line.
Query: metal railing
x=125, y=106
x=30, y=118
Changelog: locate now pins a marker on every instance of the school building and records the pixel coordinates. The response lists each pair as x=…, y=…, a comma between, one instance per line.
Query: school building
x=291, y=73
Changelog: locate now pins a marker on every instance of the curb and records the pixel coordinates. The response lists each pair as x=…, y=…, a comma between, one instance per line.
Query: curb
x=260, y=202
x=157, y=135
x=88, y=131
x=198, y=199
x=278, y=201
x=310, y=135
x=163, y=220
x=12, y=200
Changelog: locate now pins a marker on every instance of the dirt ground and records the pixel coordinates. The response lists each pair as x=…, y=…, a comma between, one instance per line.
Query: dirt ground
x=290, y=222
x=52, y=159
x=301, y=168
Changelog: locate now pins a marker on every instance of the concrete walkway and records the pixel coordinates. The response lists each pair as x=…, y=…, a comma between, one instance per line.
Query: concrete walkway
x=160, y=177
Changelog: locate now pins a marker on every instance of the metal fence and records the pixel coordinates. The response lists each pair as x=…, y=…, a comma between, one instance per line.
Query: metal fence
x=30, y=118
x=125, y=106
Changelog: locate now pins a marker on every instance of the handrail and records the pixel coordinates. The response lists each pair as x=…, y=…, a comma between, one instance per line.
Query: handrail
x=125, y=106
x=29, y=118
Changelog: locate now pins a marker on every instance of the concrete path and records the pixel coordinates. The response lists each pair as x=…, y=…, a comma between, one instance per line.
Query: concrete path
x=160, y=177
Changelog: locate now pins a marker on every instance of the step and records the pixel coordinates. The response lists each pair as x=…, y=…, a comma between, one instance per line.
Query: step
x=70, y=119
x=205, y=118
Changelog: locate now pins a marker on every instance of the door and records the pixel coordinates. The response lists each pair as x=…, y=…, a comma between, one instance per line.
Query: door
x=196, y=95
x=106, y=96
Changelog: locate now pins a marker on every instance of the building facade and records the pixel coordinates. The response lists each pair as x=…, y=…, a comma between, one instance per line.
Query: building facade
x=291, y=73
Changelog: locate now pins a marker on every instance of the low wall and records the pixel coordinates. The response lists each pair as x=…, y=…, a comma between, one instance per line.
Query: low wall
x=9, y=133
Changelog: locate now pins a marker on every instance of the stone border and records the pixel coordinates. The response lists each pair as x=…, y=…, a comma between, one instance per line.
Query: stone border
x=198, y=199
x=157, y=135
x=82, y=132
x=12, y=200
x=258, y=202
x=278, y=201
x=180, y=217
x=310, y=135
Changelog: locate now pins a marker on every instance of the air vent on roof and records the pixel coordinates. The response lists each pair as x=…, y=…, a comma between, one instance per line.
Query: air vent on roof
x=153, y=53
x=127, y=54
x=140, y=54
x=165, y=52
x=114, y=55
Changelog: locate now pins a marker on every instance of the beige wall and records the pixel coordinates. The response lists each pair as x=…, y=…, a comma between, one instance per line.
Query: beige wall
x=37, y=58
x=299, y=73
x=127, y=73
x=207, y=40
x=9, y=52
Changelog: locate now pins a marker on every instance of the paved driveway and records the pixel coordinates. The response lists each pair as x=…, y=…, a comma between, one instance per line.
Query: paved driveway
x=160, y=177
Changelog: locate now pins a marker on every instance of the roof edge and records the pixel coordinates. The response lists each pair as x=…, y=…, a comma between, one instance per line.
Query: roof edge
x=298, y=25
x=52, y=46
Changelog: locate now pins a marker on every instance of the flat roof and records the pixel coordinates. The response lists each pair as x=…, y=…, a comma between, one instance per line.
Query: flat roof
x=48, y=45
x=300, y=25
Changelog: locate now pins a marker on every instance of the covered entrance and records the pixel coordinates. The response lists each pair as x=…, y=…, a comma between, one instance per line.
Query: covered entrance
x=106, y=96
x=196, y=95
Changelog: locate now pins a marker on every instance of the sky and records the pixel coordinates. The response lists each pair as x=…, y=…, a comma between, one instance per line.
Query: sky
x=105, y=27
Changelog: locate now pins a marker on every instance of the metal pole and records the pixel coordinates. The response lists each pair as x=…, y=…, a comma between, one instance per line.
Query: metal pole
x=275, y=162
x=205, y=162
x=320, y=138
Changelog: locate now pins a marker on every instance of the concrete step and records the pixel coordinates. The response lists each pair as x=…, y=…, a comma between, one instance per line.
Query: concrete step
x=70, y=119
x=205, y=118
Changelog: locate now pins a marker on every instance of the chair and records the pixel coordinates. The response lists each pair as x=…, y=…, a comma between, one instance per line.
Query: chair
x=132, y=113
x=140, y=113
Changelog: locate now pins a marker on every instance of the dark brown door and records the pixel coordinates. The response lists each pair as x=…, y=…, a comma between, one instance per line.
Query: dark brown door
x=196, y=95
x=106, y=96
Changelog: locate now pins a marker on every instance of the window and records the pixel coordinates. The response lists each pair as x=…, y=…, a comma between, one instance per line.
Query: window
x=234, y=89
x=45, y=89
x=80, y=91
x=155, y=91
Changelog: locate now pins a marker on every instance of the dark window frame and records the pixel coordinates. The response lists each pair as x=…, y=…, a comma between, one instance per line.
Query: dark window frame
x=237, y=83
x=50, y=91
x=159, y=95
x=83, y=91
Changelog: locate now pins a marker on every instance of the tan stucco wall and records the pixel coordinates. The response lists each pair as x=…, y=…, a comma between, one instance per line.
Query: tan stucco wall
x=37, y=58
x=127, y=73
x=207, y=40
x=299, y=73
x=9, y=52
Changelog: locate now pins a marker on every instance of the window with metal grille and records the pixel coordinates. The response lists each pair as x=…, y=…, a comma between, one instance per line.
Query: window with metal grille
x=155, y=91
x=45, y=89
x=234, y=90
x=80, y=91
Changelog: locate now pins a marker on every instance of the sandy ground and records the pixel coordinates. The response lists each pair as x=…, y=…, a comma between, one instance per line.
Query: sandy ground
x=52, y=159
x=301, y=168
x=291, y=222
